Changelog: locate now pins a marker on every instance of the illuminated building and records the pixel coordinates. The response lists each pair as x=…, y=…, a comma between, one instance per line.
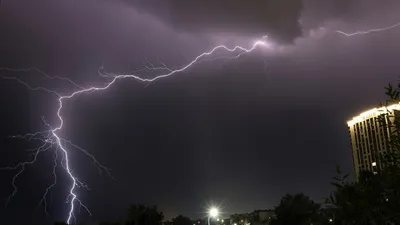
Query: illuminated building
x=370, y=136
x=257, y=217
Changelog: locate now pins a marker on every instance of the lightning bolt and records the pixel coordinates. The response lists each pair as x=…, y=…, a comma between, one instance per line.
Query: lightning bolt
x=368, y=31
x=51, y=137
x=42, y=73
x=46, y=145
x=43, y=200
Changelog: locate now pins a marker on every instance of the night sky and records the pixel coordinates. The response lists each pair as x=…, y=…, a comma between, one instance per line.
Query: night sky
x=239, y=133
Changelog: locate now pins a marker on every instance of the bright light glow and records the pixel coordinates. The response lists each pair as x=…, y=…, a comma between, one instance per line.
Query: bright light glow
x=218, y=219
x=331, y=220
x=222, y=220
x=213, y=212
x=373, y=113
x=374, y=164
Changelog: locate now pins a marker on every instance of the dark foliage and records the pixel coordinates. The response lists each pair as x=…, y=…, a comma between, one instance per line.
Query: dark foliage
x=144, y=215
x=296, y=209
x=181, y=220
x=374, y=198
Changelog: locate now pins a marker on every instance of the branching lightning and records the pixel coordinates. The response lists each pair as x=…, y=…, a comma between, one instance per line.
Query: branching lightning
x=20, y=167
x=52, y=139
x=41, y=72
x=44, y=198
x=369, y=31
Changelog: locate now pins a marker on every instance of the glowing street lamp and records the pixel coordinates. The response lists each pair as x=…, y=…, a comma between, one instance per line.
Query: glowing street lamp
x=212, y=213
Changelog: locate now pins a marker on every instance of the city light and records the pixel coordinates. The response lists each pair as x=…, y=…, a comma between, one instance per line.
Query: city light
x=373, y=112
x=213, y=212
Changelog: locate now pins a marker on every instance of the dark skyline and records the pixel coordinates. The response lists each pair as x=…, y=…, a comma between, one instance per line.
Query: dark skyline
x=240, y=133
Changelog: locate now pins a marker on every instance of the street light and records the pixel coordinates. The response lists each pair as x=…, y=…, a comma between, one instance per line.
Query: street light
x=213, y=212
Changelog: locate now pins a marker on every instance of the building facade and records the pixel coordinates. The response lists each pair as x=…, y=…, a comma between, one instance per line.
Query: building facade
x=370, y=137
x=257, y=217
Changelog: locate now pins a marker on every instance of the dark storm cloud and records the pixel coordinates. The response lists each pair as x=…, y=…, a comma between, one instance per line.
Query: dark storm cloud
x=73, y=35
x=278, y=19
x=283, y=21
x=205, y=134
x=374, y=13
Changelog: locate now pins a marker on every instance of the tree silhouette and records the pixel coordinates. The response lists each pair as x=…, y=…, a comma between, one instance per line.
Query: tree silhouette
x=296, y=209
x=181, y=220
x=373, y=198
x=359, y=202
x=240, y=218
x=144, y=215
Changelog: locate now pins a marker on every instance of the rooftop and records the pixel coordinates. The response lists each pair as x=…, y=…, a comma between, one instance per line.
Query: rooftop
x=372, y=113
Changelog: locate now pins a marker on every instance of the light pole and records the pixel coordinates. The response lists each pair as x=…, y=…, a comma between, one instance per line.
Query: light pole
x=212, y=213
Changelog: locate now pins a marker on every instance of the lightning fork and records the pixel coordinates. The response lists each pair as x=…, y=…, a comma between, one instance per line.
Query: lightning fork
x=30, y=87
x=99, y=166
x=368, y=31
x=43, y=200
x=60, y=142
x=22, y=166
x=43, y=73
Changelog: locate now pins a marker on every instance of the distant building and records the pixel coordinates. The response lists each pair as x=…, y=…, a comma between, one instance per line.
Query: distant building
x=213, y=221
x=257, y=217
x=265, y=215
x=370, y=137
x=240, y=219
x=200, y=222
